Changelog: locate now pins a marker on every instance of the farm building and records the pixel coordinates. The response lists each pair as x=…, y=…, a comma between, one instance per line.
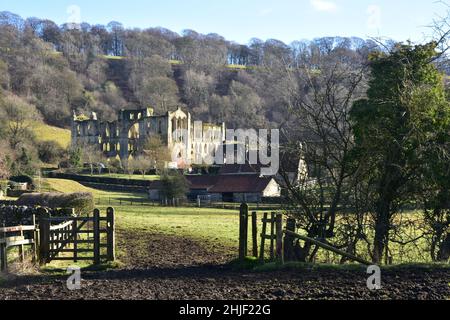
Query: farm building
x=245, y=188
x=199, y=185
x=234, y=188
x=154, y=190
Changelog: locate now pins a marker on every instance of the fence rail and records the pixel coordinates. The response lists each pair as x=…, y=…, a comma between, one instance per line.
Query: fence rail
x=71, y=236
x=62, y=238
x=281, y=239
x=18, y=236
x=178, y=203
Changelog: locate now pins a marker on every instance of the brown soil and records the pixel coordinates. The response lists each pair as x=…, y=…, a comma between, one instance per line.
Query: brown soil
x=171, y=268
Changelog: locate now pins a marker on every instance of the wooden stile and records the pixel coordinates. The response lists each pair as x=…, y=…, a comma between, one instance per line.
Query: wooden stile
x=272, y=236
x=279, y=239
x=243, y=231
x=255, y=234
x=263, y=238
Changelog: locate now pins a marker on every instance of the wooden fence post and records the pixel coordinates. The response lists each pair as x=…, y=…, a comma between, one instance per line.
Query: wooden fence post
x=263, y=238
x=289, y=240
x=36, y=240
x=96, y=237
x=21, y=249
x=3, y=257
x=75, y=240
x=44, y=236
x=255, y=234
x=272, y=236
x=111, y=238
x=279, y=243
x=243, y=231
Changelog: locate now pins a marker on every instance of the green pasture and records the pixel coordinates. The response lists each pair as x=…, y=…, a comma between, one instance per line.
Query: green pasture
x=216, y=229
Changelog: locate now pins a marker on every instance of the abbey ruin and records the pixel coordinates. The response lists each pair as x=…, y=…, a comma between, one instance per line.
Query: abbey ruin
x=126, y=136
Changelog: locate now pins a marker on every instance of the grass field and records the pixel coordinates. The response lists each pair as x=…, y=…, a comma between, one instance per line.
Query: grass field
x=213, y=227
x=217, y=225
x=45, y=132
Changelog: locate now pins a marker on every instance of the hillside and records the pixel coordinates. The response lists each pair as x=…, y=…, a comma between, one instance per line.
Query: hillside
x=46, y=132
x=106, y=70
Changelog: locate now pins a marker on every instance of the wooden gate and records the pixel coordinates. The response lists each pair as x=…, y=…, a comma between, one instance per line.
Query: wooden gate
x=90, y=238
x=18, y=236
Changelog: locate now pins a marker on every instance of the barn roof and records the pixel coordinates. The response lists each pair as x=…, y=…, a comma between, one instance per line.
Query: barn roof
x=201, y=182
x=240, y=184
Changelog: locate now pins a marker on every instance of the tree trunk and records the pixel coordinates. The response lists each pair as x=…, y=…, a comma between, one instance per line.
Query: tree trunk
x=381, y=231
x=302, y=253
x=444, y=250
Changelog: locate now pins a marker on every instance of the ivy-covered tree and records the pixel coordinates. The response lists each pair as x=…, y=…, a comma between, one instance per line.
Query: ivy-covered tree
x=393, y=127
x=435, y=186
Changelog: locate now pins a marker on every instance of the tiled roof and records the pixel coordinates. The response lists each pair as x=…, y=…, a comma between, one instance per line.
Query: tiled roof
x=201, y=182
x=240, y=184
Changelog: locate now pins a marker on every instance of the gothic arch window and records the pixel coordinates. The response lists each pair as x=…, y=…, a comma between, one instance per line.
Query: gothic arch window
x=133, y=133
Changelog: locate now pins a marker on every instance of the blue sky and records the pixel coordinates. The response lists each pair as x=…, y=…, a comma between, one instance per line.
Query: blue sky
x=240, y=20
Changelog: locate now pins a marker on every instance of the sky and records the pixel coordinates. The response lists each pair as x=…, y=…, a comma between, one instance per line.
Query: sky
x=241, y=20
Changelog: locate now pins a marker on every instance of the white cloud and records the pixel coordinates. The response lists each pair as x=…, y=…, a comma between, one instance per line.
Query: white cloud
x=324, y=5
x=374, y=19
x=265, y=12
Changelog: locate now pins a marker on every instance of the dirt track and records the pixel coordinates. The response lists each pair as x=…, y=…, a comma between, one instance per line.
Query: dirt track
x=161, y=267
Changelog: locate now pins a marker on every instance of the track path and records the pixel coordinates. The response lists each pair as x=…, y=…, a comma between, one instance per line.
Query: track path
x=167, y=268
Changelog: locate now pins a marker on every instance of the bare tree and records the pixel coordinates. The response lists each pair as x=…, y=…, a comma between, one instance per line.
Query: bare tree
x=91, y=155
x=142, y=164
x=4, y=166
x=20, y=117
x=320, y=100
x=157, y=153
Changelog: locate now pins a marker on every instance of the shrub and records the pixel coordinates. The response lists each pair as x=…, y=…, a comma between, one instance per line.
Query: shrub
x=82, y=202
x=50, y=151
x=174, y=186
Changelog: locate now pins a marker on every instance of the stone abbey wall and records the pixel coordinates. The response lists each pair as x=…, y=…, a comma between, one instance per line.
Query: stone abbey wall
x=126, y=136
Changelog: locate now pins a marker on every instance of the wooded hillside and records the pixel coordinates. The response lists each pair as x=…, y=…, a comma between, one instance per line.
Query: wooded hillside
x=61, y=69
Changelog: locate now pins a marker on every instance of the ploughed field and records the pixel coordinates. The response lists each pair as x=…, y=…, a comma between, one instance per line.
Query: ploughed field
x=167, y=267
x=184, y=253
